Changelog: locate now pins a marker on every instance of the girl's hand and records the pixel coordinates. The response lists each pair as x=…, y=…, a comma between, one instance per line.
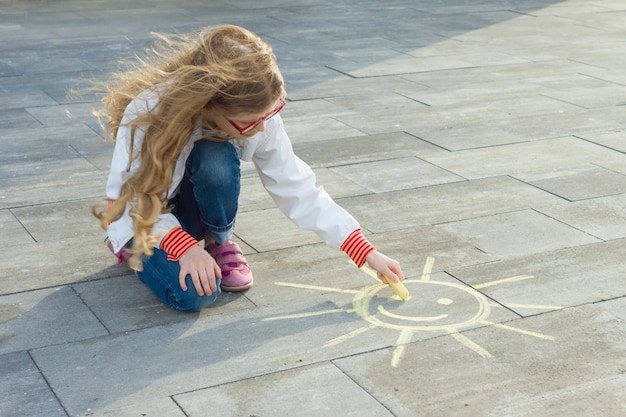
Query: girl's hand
x=385, y=267
x=202, y=268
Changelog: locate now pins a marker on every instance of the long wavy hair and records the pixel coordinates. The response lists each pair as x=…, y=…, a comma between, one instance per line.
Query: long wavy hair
x=224, y=69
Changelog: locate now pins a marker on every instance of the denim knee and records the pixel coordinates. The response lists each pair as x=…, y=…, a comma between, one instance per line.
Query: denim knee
x=190, y=300
x=161, y=277
x=217, y=163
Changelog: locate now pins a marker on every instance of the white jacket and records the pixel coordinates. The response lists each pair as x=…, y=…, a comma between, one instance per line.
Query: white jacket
x=289, y=181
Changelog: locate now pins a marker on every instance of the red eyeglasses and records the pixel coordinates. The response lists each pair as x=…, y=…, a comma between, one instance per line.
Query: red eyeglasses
x=248, y=128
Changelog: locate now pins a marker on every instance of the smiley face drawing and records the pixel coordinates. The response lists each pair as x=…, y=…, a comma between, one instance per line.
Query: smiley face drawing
x=436, y=306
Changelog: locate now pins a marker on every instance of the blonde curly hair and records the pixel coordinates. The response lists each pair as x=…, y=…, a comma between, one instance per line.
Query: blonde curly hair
x=223, y=69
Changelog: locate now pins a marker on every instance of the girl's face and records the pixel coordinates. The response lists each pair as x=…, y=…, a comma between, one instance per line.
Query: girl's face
x=225, y=123
x=243, y=125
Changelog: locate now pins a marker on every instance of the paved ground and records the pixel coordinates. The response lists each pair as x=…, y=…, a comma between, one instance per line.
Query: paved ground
x=479, y=142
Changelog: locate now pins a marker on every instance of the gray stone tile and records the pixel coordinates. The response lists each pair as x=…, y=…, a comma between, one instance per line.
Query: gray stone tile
x=535, y=366
x=545, y=72
x=245, y=248
x=532, y=158
x=56, y=262
x=412, y=246
x=510, y=78
x=53, y=88
x=50, y=181
x=56, y=221
x=473, y=50
x=12, y=231
x=298, y=76
x=389, y=112
x=479, y=92
x=305, y=129
x=550, y=280
x=124, y=304
x=47, y=64
x=310, y=285
x=454, y=24
x=337, y=185
x=341, y=85
x=588, y=93
x=308, y=265
x=561, y=9
x=457, y=130
x=77, y=114
x=17, y=99
x=300, y=109
x=579, y=183
x=616, y=307
x=520, y=233
x=8, y=70
x=573, y=399
x=97, y=151
x=604, y=217
x=453, y=133
x=270, y=229
x=302, y=128
x=553, y=125
x=151, y=407
x=359, y=149
x=23, y=391
x=525, y=105
x=606, y=74
x=614, y=165
x=24, y=146
x=396, y=174
x=401, y=64
x=16, y=118
x=254, y=197
x=188, y=356
x=611, y=139
x=45, y=317
x=320, y=389
x=445, y=203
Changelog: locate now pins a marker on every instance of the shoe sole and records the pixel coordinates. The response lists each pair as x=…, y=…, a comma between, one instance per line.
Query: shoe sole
x=237, y=289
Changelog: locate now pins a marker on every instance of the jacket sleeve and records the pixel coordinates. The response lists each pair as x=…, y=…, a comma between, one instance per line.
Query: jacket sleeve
x=292, y=185
x=122, y=168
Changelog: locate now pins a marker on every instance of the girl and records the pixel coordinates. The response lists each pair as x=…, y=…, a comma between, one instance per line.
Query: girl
x=181, y=123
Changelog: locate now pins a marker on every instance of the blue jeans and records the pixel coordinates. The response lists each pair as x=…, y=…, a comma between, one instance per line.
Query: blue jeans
x=206, y=205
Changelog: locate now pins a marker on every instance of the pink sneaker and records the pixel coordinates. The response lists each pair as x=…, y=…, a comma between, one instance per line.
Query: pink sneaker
x=122, y=256
x=236, y=274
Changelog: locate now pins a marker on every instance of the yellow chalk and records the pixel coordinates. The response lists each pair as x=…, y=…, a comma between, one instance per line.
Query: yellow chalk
x=398, y=287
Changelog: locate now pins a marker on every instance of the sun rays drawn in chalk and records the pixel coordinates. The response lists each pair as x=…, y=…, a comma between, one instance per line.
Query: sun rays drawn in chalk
x=432, y=296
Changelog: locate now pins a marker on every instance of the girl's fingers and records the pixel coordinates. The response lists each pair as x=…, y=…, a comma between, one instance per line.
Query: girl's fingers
x=398, y=272
x=182, y=280
x=203, y=280
x=392, y=276
x=217, y=270
x=195, y=278
x=208, y=284
x=215, y=277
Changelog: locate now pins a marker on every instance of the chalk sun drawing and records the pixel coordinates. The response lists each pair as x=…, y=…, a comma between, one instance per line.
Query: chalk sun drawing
x=376, y=310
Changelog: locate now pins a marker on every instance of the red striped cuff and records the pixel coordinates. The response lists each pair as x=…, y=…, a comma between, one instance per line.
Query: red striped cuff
x=177, y=243
x=357, y=247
